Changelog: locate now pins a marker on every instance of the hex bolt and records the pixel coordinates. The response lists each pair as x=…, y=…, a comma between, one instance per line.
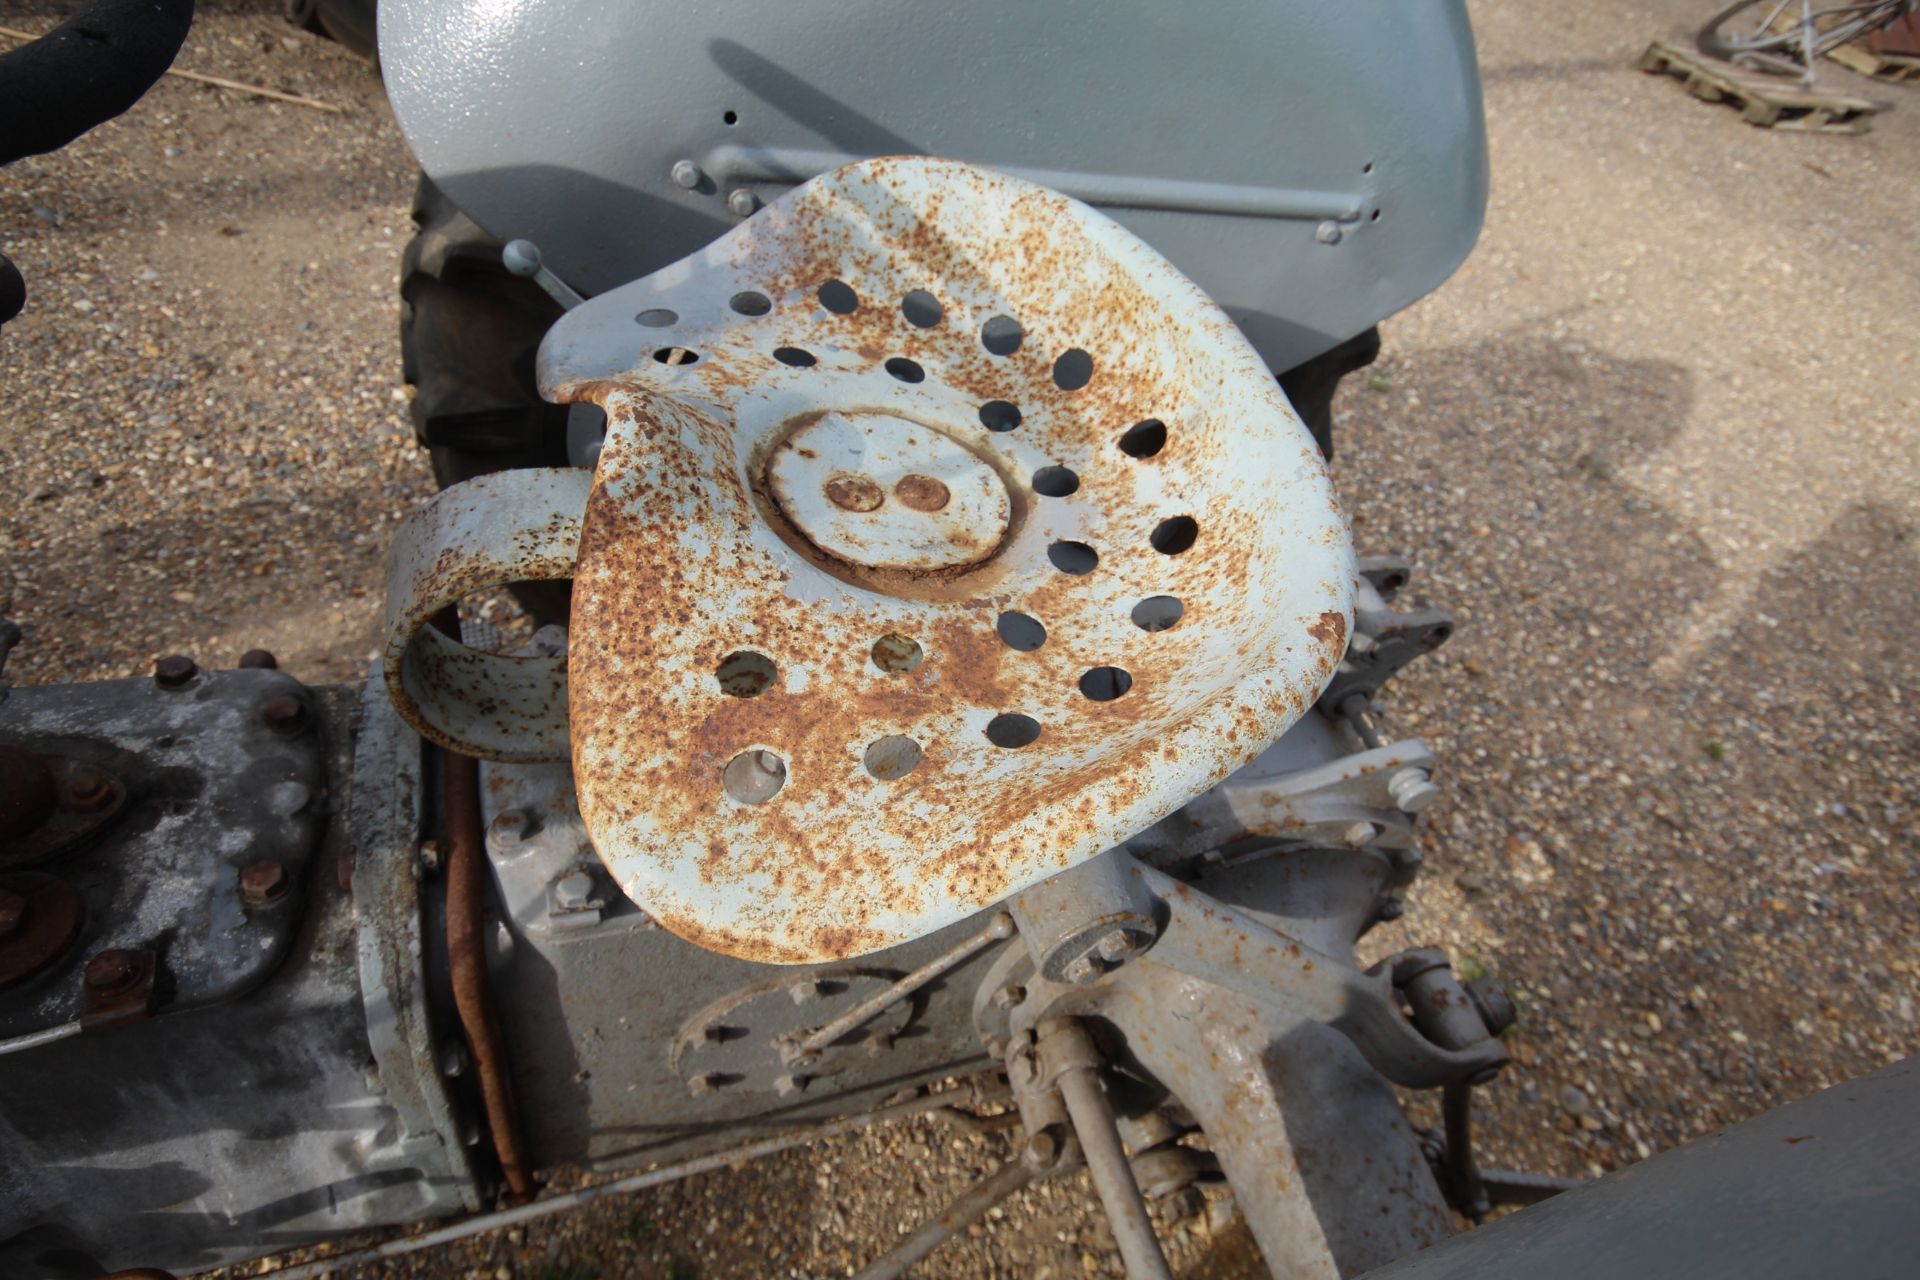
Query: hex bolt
x=13, y=909
x=743, y=202
x=454, y=1058
x=878, y=1043
x=88, y=790
x=573, y=891
x=1082, y=970
x=508, y=830
x=1327, y=232
x=111, y=972
x=1392, y=909
x=258, y=660
x=284, y=714
x=1116, y=946
x=263, y=882
x=1042, y=1150
x=713, y=1033
x=806, y=991
x=1359, y=835
x=430, y=856
x=1411, y=789
x=1008, y=996
x=788, y=1086
x=702, y=1085
x=687, y=174
x=175, y=671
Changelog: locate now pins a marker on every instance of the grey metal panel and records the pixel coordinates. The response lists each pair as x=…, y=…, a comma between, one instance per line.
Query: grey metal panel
x=211, y=787
x=1224, y=134
x=590, y=1046
x=594, y=1000
x=1823, y=1187
x=213, y=1136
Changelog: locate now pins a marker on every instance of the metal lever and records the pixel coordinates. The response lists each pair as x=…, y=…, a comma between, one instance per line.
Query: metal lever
x=1225, y=946
x=1015, y=1175
x=522, y=258
x=807, y=1044
x=1069, y=1059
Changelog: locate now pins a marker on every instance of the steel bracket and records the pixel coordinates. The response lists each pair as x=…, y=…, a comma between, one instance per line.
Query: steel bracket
x=510, y=526
x=1384, y=639
x=1348, y=802
x=1204, y=938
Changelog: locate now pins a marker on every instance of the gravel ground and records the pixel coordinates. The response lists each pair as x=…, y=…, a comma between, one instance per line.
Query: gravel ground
x=1653, y=445
x=205, y=442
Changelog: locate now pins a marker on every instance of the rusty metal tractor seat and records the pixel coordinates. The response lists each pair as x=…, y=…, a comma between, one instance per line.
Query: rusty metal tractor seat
x=944, y=535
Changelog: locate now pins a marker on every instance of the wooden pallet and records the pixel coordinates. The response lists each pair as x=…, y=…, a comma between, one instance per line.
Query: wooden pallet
x=1763, y=100
x=1894, y=67
x=1856, y=56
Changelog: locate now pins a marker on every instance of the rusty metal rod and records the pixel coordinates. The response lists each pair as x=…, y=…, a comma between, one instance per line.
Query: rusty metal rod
x=476, y=1225
x=467, y=959
x=971, y=1122
x=998, y=930
x=1014, y=1175
x=34, y=1039
x=1112, y=1176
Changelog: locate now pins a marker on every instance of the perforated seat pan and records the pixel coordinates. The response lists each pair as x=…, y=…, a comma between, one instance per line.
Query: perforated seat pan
x=727, y=602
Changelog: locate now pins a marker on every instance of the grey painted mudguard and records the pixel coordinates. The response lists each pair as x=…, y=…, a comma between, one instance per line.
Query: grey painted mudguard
x=1821, y=1187
x=1314, y=166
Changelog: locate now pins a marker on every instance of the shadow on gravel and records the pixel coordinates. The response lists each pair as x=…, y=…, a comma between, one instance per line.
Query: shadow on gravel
x=1497, y=467
x=1704, y=883
x=1558, y=72
x=237, y=566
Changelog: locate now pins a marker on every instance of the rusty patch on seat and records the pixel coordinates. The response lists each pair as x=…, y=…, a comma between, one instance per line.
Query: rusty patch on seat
x=735, y=510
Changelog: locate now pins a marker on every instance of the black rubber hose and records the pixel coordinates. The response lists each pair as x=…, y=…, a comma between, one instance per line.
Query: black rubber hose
x=86, y=71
